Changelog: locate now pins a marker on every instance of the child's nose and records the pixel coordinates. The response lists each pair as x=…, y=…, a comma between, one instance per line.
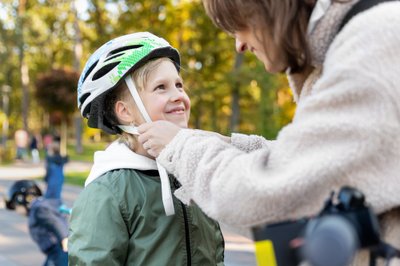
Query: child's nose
x=178, y=95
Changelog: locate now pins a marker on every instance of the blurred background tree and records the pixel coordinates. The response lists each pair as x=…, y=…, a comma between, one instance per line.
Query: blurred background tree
x=229, y=92
x=56, y=93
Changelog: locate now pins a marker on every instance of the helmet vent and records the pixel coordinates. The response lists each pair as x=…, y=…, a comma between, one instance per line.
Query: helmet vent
x=89, y=71
x=112, y=57
x=83, y=98
x=104, y=70
x=121, y=49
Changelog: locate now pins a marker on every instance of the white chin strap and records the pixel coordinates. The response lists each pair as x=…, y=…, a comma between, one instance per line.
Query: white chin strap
x=165, y=185
x=129, y=129
x=320, y=8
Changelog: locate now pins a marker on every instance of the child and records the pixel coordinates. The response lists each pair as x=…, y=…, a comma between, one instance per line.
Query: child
x=48, y=227
x=127, y=215
x=54, y=177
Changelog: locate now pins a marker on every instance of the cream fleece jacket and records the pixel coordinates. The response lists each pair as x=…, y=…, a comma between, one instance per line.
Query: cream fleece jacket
x=346, y=131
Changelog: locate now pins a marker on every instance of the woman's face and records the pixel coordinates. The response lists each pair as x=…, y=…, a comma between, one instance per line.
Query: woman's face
x=164, y=96
x=269, y=54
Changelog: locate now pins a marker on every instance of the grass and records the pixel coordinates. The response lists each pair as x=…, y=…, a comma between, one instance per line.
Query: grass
x=7, y=154
x=88, y=150
x=72, y=178
x=76, y=178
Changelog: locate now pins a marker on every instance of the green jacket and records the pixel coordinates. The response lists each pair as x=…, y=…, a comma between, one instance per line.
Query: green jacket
x=119, y=219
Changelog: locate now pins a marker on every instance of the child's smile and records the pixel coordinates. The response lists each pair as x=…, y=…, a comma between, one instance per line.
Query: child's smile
x=164, y=96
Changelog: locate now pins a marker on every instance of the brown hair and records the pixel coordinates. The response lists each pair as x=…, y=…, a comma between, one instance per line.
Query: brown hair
x=285, y=20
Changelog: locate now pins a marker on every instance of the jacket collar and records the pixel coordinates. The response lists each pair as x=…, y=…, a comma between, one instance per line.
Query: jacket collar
x=118, y=156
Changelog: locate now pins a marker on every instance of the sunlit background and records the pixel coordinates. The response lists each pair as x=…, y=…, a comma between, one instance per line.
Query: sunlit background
x=44, y=45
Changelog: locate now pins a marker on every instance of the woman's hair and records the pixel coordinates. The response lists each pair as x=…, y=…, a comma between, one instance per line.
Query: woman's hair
x=121, y=93
x=285, y=20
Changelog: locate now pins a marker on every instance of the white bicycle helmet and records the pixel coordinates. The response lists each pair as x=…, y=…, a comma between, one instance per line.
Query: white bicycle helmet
x=109, y=65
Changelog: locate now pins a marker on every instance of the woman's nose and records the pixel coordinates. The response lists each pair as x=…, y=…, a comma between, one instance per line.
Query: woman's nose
x=240, y=46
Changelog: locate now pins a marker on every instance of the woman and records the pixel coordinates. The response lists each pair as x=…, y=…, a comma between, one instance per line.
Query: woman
x=346, y=129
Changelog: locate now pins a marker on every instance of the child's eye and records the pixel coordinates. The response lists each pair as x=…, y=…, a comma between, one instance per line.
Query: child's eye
x=159, y=87
x=179, y=85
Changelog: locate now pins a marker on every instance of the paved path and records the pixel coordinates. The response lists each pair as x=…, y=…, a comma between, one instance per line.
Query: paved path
x=17, y=248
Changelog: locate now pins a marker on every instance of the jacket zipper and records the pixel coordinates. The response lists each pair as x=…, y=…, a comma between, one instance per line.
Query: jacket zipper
x=187, y=235
x=186, y=220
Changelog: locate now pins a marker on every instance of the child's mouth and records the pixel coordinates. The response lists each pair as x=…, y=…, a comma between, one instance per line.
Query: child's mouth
x=177, y=110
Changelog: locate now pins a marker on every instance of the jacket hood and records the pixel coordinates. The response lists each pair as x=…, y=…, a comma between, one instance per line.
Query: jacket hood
x=118, y=156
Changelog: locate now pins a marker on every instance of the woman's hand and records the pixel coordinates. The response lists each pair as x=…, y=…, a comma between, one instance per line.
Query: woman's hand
x=154, y=136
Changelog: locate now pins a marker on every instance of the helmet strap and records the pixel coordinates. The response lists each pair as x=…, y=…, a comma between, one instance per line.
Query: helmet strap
x=129, y=129
x=165, y=184
x=136, y=98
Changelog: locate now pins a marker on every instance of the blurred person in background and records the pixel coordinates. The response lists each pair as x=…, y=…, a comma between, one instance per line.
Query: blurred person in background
x=54, y=177
x=21, y=138
x=48, y=227
x=33, y=147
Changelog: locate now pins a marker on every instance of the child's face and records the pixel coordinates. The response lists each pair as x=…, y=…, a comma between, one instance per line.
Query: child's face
x=164, y=96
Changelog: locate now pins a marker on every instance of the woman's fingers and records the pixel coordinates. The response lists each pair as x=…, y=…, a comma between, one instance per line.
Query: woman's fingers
x=154, y=136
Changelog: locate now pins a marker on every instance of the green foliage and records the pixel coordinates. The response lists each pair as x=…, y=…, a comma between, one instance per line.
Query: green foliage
x=7, y=154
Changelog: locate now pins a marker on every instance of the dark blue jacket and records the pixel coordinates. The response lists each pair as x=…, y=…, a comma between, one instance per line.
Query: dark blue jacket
x=47, y=225
x=54, y=175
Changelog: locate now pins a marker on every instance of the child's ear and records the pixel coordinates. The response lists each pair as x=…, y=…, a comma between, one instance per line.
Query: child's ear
x=123, y=112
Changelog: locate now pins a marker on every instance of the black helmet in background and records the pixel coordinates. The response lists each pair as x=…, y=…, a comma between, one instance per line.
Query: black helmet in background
x=23, y=193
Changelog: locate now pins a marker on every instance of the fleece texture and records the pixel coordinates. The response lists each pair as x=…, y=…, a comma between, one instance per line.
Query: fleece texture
x=346, y=131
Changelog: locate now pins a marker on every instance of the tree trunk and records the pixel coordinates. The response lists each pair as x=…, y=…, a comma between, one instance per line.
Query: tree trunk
x=214, y=116
x=234, y=123
x=23, y=66
x=6, y=92
x=77, y=67
x=266, y=112
x=199, y=109
x=78, y=133
x=64, y=137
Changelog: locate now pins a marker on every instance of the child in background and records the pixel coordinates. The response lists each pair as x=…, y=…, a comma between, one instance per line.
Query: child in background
x=48, y=227
x=127, y=214
x=54, y=177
